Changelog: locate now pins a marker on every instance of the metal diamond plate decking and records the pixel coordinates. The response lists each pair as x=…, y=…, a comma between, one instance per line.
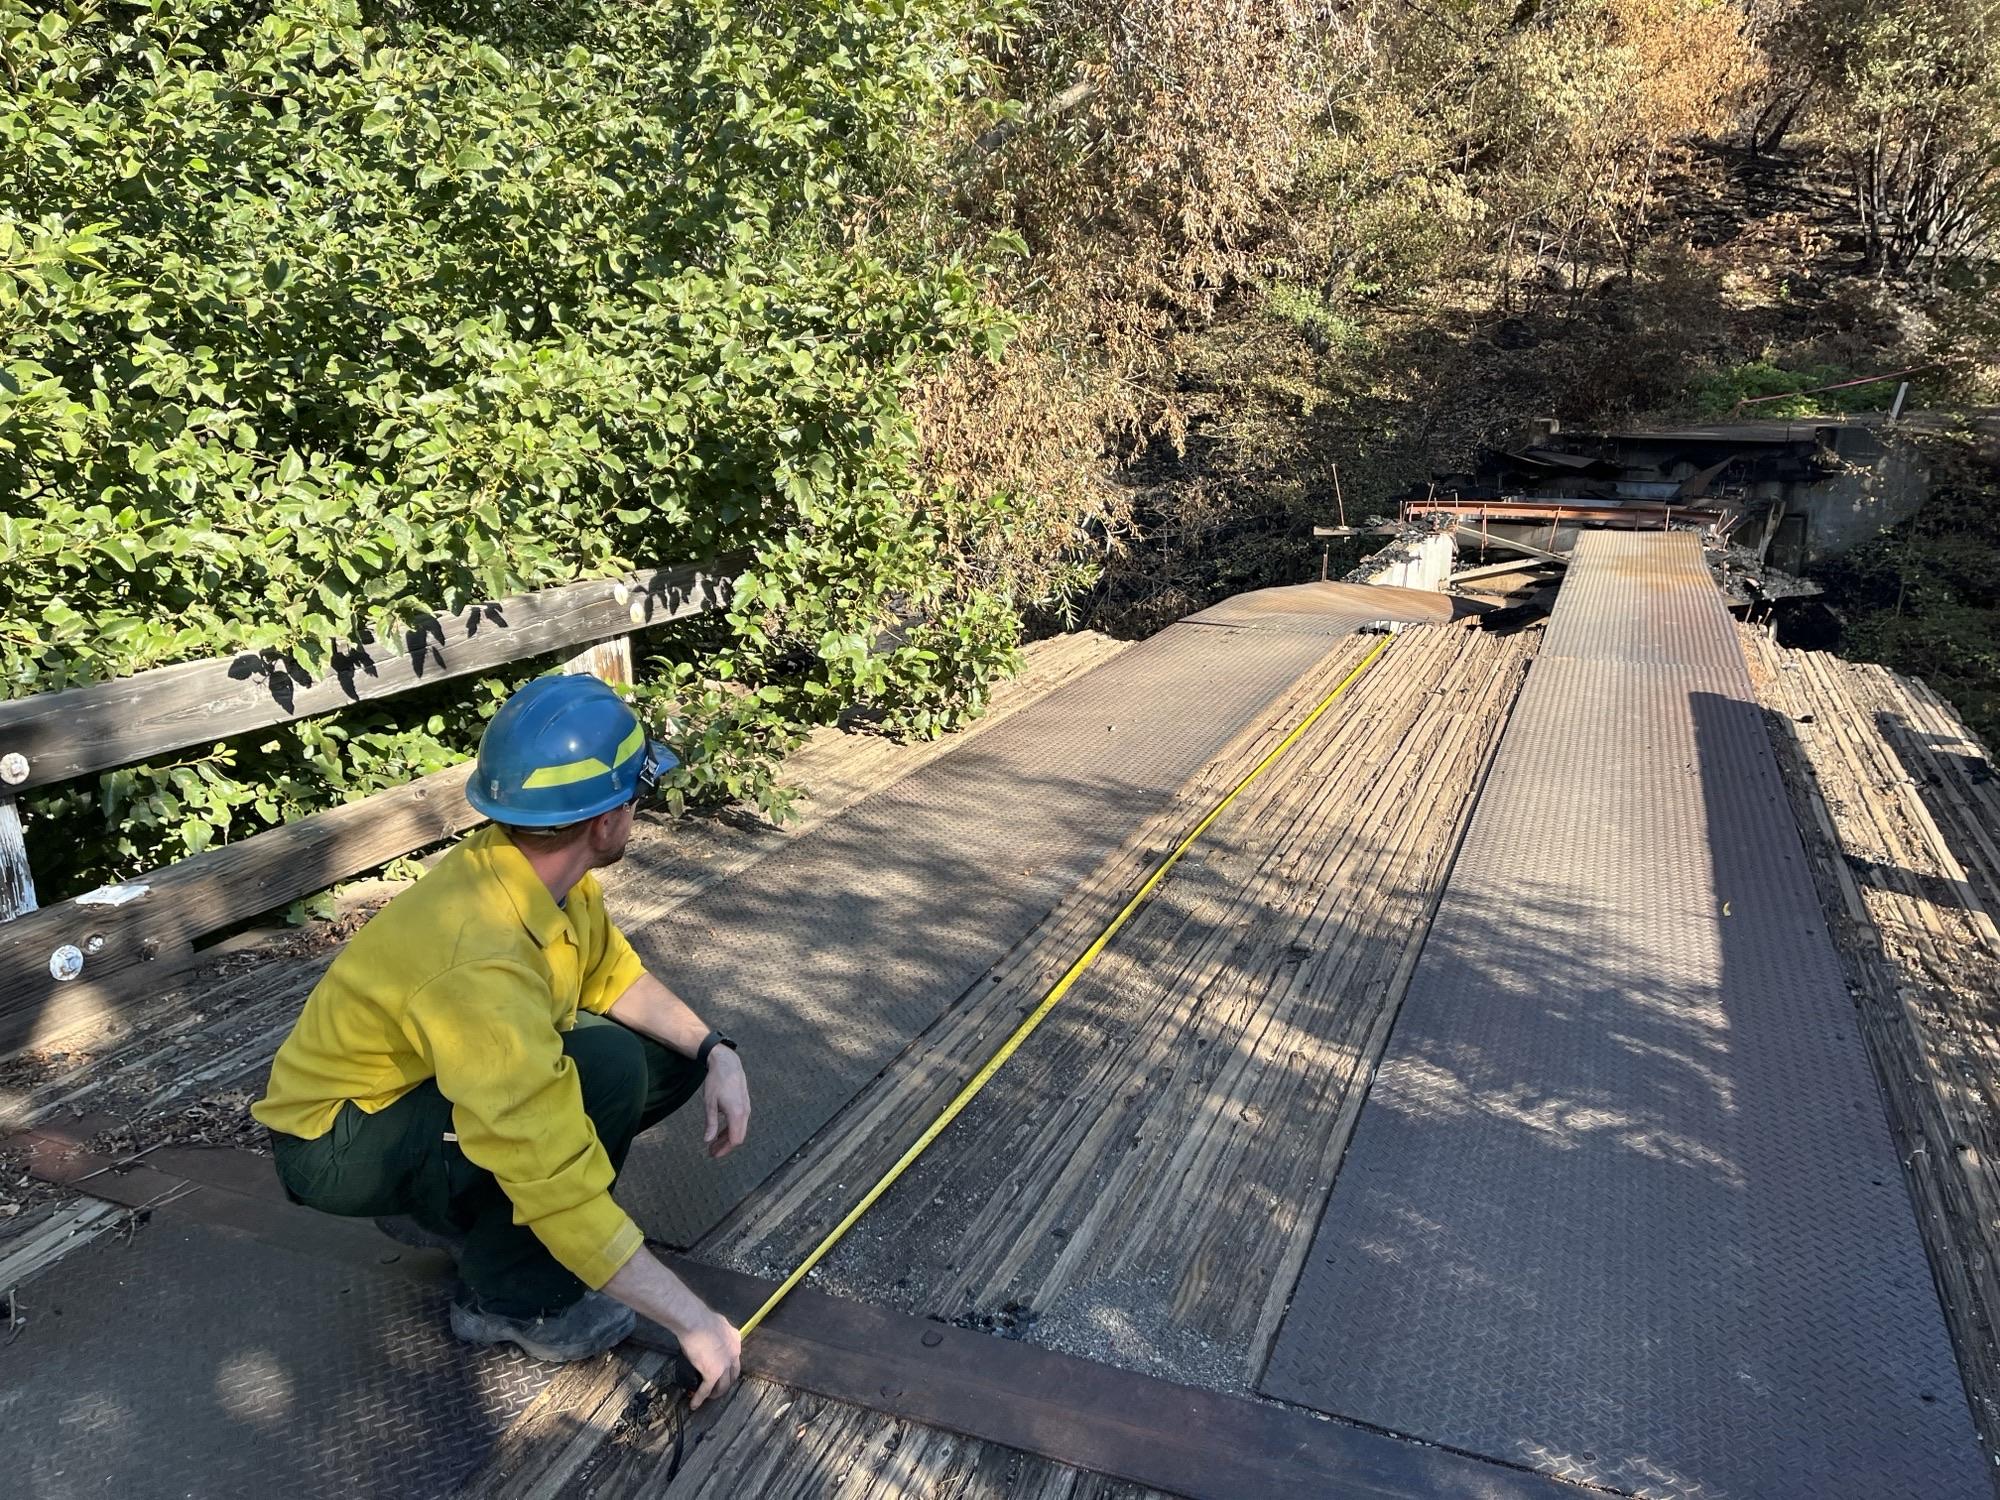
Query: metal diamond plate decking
x=828, y=957
x=196, y=1361
x=1622, y=1204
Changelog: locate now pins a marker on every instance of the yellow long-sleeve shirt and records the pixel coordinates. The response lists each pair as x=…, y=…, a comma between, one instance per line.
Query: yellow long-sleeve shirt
x=470, y=977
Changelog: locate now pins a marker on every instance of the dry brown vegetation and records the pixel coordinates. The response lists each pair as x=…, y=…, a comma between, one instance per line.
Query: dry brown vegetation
x=1263, y=240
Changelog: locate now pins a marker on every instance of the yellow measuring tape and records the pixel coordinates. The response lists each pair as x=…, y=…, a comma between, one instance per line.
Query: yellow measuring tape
x=1061, y=987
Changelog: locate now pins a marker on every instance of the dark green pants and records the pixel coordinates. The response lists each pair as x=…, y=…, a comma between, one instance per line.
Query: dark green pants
x=398, y=1161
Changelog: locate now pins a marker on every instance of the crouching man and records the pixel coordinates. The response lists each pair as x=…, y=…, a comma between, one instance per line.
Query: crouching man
x=475, y=1064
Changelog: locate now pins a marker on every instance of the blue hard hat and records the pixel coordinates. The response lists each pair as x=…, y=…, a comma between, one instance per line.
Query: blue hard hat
x=560, y=750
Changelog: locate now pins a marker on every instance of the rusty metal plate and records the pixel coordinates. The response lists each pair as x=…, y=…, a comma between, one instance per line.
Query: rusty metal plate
x=1622, y=1204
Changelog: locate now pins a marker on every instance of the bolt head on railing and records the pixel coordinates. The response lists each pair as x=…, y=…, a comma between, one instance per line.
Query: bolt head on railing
x=13, y=768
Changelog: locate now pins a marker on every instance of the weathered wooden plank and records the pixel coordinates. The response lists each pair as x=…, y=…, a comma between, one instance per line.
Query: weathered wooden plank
x=17, y=881
x=69, y=1227
x=610, y=660
x=1907, y=920
x=120, y=950
x=1529, y=549
x=1176, y=1438
x=540, y=1456
x=1499, y=569
x=1155, y=1158
x=86, y=729
x=780, y=1444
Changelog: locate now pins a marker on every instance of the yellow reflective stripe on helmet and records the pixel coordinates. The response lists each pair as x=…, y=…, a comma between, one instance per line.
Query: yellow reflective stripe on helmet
x=582, y=770
x=576, y=770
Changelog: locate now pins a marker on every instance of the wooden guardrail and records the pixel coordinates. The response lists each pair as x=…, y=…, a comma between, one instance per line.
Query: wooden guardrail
x=73, y=963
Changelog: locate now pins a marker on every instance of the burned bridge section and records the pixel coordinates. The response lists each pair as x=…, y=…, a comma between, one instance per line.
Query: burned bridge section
x=1622, y=1205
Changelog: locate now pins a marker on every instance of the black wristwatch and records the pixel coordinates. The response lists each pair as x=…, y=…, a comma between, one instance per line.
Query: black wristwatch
x=708, y=1044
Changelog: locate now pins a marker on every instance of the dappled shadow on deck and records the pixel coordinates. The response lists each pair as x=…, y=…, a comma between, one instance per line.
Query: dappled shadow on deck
x=288, y=1330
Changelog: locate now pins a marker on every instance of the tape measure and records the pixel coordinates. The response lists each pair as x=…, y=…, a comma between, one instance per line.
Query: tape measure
x=1049, y=1001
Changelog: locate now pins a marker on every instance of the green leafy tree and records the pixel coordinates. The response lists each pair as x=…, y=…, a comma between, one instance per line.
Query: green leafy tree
x=1910, y=95
x=315, y=318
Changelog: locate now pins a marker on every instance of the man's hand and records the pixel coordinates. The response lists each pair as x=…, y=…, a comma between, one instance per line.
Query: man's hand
x=648, y=1006
x=725, y=1097
x=715, y=1349
x=710, y=1342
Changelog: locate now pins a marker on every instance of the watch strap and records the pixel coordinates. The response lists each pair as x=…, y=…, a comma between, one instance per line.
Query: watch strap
x=709, y=1043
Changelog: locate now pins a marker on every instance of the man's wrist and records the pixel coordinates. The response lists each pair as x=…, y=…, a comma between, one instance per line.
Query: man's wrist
x=645, y=1285
x=709, y=1043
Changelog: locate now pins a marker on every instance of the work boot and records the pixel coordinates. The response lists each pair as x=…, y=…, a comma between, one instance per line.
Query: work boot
x=405, y=1230
x=588, y=1326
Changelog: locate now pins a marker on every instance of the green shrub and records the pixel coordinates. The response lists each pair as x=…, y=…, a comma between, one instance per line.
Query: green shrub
x=314, y=318
x=1723, y=394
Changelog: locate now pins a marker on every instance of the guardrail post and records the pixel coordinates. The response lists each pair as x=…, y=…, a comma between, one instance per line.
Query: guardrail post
x=17, y=882
x=610, y=660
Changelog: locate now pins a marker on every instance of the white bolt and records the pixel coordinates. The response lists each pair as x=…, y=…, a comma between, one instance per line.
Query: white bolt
x=13, y=768
x=66, y=963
